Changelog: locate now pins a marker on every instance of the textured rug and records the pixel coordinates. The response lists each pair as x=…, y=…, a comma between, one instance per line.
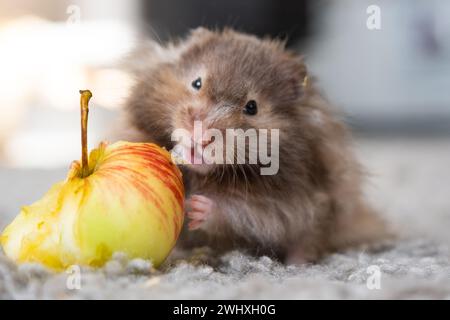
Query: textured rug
x=409, y=184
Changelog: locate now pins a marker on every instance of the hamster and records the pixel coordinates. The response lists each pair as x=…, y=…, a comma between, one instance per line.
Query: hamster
x=313, y=205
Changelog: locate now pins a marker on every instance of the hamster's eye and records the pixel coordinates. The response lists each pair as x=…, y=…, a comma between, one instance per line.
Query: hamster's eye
x=197, y=83
x=251, y=108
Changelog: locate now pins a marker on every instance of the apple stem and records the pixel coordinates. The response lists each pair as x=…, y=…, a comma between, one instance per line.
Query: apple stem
x=86, y=95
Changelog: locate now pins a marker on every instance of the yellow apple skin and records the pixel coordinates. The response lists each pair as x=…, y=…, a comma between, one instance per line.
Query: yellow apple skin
x=132, y=202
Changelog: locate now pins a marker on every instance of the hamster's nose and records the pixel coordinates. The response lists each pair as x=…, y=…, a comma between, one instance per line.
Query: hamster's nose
x=196, y=114
x=204, y=141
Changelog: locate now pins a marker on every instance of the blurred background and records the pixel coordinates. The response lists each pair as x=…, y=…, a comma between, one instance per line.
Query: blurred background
x=385, y=63
x=390, y=81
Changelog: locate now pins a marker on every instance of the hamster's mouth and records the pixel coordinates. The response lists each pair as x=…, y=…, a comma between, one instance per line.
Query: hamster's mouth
x=193, y=158
x=197, y=160
x=196, y=155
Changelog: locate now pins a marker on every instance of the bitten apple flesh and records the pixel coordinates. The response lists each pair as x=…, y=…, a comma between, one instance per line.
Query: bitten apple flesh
x=131, y=201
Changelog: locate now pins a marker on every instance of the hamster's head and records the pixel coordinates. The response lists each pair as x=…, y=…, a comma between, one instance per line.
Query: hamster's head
x=214, y=81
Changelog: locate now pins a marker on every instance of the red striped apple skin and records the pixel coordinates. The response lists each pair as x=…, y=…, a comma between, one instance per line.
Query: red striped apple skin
x=131, y=201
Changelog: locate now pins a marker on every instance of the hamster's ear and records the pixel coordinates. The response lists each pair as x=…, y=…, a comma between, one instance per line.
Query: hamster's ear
x=199, y=33
x=196, y=35
x=144, y=56
x=302, y=73
x=298, y=75
x=288, y=83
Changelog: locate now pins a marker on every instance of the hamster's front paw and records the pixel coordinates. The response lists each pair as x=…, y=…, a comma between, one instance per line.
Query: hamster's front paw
x=199, y=208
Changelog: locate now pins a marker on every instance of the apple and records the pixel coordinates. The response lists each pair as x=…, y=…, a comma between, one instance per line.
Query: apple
x=126, y=197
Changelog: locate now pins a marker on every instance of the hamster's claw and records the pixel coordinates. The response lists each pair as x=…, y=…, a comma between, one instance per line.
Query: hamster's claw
x=199, y=209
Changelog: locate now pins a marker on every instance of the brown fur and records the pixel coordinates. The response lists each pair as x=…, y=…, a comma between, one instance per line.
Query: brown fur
x=314, y=204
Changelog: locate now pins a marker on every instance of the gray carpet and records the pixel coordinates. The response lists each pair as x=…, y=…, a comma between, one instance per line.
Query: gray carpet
x=409, y=184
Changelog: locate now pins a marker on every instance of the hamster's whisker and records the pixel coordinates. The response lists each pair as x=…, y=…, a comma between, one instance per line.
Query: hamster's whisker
x=245, y=180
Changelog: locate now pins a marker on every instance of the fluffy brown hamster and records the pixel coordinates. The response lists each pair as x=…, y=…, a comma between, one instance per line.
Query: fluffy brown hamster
x=313, y=204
